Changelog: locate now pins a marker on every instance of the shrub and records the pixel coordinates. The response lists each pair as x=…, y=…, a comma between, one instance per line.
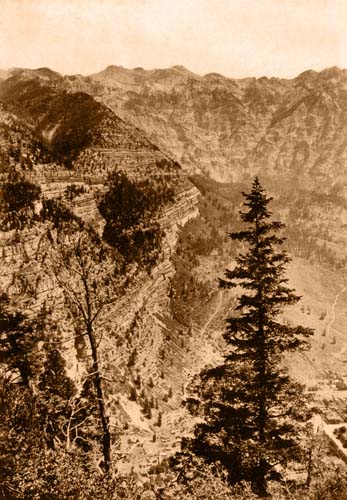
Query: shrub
x=56, y=212
x=131, y=209
x=17, y=204
x=72, y=191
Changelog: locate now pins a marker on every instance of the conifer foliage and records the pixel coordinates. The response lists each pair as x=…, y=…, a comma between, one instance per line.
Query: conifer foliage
x=249, y=404
x=131, y=210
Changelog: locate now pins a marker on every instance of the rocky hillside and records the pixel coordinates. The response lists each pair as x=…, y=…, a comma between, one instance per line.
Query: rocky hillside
x=292, y=133
x=231, y=129
x=235, y=128
x=68, y=135
x=59, y=151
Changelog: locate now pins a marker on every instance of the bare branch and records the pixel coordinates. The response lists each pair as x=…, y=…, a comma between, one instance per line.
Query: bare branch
x=76, y=271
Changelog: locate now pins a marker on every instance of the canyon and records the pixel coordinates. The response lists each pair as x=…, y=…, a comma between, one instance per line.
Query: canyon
x=205, y=137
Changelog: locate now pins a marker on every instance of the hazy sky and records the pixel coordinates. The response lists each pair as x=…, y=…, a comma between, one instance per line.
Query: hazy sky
x=234, y=37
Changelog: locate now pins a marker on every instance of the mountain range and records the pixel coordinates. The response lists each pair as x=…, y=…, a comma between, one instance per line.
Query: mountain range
x=227, y=128
x=291, y=133
x=230, y=128
x=204, y=137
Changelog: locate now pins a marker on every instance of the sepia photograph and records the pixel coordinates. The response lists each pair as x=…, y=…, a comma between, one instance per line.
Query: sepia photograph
x=173, y=249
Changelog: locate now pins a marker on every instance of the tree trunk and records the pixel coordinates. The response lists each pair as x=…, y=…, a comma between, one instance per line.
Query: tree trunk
x=262, y=406
x=106, y=435
x=260, y=481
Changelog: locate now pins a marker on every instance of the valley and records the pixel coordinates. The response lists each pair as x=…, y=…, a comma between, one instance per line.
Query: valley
x=183, y=148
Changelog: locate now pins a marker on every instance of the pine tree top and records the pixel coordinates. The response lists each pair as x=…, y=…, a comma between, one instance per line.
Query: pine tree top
x=257, y=203
x=260, y=271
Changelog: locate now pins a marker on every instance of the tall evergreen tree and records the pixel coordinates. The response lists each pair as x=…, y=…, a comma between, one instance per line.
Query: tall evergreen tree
x=249, y=403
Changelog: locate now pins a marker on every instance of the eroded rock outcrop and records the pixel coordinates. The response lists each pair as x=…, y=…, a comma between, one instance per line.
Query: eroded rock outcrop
x=133, y=330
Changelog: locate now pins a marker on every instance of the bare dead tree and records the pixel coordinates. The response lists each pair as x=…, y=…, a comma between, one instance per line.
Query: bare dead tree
x=84, y=271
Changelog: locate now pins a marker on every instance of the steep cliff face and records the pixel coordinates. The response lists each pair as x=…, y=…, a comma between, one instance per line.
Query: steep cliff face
x=292, y=130
x=236, y=128
x=291, y=133
x=44, y=143
x=39, y=132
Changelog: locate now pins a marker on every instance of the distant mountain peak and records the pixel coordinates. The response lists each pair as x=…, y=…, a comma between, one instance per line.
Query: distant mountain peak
x=114, y=67
x=333, y=72
x=213, y=75
x=327, y=74
x=307, y=74
x=181, y=68
x=41, y=73
x=47, y=72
